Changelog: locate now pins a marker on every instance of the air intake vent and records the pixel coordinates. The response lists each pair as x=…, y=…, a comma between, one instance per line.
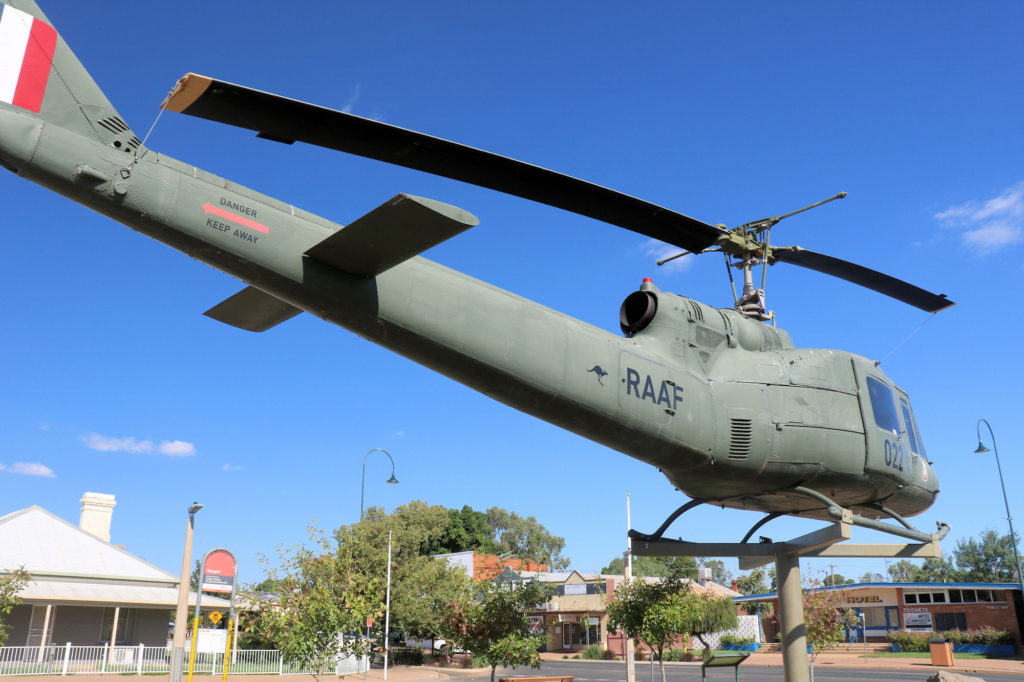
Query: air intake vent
x=134, y=143
x=695, y=310
x=114, y=125
x=741, y=438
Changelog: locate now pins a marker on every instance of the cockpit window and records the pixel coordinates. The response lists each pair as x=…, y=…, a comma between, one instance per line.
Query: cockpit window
x=884, y=406
x=916, y=444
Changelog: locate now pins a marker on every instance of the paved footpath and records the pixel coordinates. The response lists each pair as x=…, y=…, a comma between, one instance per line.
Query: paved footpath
x=429, y=674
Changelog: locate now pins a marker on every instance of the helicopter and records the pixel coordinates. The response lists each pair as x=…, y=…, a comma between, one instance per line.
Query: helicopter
x=721, y=402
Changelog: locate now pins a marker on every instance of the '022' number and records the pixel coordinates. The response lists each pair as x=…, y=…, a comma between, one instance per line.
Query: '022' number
x=893, y=455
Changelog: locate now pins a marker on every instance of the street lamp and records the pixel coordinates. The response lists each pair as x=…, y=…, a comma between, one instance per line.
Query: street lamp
x=1009, y=518
x=181, y=614
x=362, y=488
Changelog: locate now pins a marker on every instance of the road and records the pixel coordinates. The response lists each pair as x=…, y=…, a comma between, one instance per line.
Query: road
x=595, y=671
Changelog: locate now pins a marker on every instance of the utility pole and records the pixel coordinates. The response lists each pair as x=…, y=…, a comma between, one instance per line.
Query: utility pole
x=832, y=567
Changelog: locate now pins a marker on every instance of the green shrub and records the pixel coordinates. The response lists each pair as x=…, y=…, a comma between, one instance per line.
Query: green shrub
x=733, y=639
x=918, y=641
x=607, y=655
x=985, y=635
x=592, y=652
x=674, y=654
x=910, y=641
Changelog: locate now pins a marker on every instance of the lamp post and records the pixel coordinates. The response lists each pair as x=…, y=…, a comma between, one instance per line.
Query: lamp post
x=362, y=488
x=1009, y=518
x=181, y=614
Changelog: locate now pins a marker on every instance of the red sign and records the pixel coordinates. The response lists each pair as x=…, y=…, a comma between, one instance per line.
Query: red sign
x=219, y=569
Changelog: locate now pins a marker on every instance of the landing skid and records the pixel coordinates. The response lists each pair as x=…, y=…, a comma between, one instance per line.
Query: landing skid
x=835, y=511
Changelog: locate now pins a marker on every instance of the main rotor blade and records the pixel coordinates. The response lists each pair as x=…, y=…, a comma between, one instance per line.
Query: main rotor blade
x=288, y=120
x=866, y=277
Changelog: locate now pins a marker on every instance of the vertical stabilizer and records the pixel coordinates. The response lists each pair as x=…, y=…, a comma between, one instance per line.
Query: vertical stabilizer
x=40, y=76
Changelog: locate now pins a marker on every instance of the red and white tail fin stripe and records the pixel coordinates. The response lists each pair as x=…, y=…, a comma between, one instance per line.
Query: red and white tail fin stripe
x=26, y=52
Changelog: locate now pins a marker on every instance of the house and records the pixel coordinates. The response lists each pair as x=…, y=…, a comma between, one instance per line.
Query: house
x=481, y=566
x=576, y=615
x=85, y=590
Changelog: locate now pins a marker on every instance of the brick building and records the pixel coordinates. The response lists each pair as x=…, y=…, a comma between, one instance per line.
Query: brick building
x=925, y=607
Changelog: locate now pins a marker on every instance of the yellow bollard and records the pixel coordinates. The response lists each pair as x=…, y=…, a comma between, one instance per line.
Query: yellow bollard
x=192, y=659
x=227, y=651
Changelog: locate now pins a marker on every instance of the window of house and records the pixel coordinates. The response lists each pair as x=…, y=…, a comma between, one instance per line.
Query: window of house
x=926, y=597
x=950, y=621
x=874, y=616
x=125, y=625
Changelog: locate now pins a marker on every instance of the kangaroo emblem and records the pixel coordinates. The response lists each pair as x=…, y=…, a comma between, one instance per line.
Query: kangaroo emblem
x=601, y=374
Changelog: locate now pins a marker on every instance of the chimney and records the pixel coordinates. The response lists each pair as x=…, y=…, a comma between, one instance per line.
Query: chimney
x=97, y=508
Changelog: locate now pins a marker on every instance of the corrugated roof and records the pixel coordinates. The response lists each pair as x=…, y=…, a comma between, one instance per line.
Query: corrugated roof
x=47, y=545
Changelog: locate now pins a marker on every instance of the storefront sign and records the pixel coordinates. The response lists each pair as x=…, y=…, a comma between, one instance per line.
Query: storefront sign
x=575, y=589
x=864, y=599
x=917, y=620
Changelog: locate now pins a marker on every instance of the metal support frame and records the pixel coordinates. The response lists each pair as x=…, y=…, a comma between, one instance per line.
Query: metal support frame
x=829, y=541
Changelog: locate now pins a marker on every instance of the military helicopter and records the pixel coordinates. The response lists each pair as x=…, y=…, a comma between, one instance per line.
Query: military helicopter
x=723, y=404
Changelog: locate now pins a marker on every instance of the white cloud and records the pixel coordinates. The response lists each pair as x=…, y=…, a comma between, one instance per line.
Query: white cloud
x=32, y=469
x=173, y=448
x=657, y=250
x=232, y=467
x=353, y=99
x=986, y=226
x=95, y=441
x=176, y=448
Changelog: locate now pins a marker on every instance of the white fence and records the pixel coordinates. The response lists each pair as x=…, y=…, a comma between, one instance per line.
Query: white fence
x=141, y=660
x=749, y=626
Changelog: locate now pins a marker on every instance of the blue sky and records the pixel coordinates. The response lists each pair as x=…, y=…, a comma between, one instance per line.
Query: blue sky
x=115, y=382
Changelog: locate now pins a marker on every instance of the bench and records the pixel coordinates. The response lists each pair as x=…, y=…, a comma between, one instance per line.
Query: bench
x=724, y=659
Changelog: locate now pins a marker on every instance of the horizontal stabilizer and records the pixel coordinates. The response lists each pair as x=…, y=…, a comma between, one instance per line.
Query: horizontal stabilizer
x=252, y=310
x=395, y=231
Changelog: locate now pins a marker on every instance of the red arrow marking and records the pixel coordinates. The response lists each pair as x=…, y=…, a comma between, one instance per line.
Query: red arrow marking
x=235, y=218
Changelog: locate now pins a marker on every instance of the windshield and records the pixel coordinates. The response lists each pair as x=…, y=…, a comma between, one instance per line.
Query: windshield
x=916, y=444
x=883, y=405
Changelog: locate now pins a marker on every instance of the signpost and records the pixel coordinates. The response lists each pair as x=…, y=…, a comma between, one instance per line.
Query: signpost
x=218, y=574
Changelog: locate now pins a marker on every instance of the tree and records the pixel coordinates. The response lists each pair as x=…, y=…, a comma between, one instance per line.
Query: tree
x=719, y=574
x=706, y=613
x=421, y=599
x=651, y=611
x=525, y=538
x=838, y=579
x=10, y=585
x=419, y=583
x=987, y=559
x=493, y=623
x=903, y=571
x=324, y=593
x=467, y=531
x=755, y=582
x=655, y=566
x=826, y=618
